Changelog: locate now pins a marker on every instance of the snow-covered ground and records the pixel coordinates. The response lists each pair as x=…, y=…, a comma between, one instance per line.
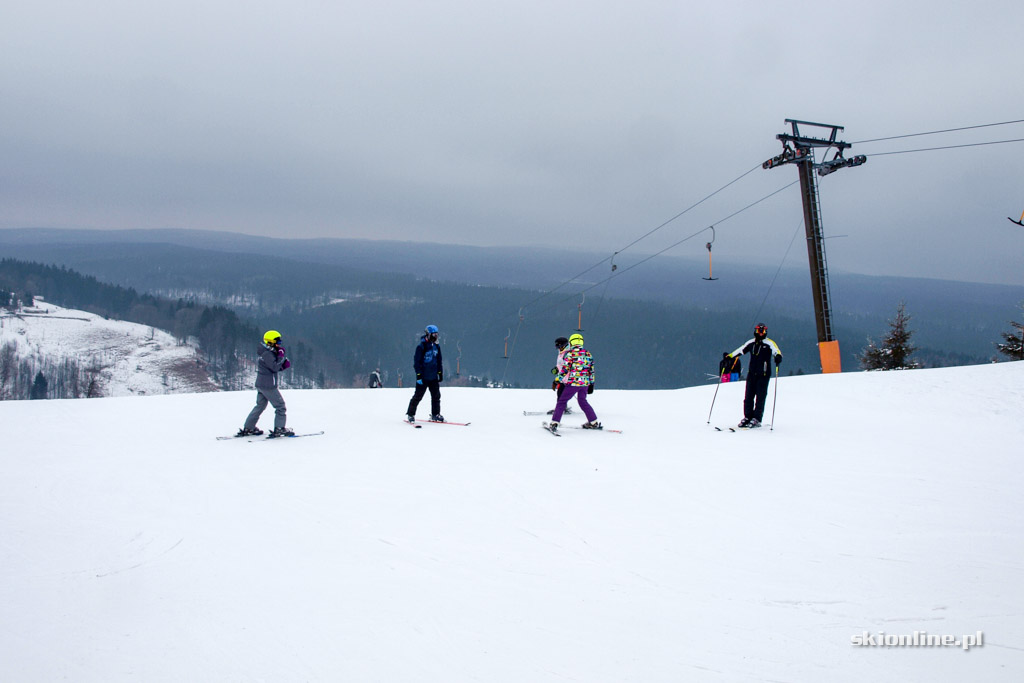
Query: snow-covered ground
x=136, y=547
x=131, y=359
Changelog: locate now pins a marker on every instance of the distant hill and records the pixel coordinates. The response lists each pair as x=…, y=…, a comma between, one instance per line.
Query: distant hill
x=83, y=355
x=657, y=324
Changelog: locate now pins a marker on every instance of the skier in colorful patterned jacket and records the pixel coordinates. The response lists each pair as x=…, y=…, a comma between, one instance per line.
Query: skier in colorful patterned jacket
x=429, y=369
x=761, y=350
x=577, y=379
x=272, y=360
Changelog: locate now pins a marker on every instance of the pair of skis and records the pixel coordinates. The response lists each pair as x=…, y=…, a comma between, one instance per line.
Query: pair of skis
x=736, y=429
x=268, y=437
x=547, y=428
x=420, y=423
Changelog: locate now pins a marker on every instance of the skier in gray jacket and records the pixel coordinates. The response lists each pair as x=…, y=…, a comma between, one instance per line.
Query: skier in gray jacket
x=272, y=360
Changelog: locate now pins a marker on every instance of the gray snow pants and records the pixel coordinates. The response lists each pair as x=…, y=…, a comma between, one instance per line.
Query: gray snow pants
x=274, y=398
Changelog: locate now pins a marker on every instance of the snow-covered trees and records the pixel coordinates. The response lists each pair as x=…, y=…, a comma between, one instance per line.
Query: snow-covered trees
x=895, y=350
x=1013, y=343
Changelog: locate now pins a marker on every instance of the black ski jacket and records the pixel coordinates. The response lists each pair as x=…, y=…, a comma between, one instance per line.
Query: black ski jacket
x=761, y=352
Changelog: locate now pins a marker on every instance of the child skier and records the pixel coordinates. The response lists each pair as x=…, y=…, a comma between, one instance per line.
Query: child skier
x=729, y=369
x=272, y=360
x=577, y=379
x=761, y=350
x=429, y=374
x=562, y=344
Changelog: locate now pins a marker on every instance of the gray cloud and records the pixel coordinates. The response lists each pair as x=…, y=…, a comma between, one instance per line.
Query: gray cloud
x=518, y=123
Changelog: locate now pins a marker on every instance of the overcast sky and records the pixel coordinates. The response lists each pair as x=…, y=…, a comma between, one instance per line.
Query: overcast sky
x=582, y=124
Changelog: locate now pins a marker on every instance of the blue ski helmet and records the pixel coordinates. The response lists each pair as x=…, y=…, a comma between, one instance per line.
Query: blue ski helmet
x=431, y=329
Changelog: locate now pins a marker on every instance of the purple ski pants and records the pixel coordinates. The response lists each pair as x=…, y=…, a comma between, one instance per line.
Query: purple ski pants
x=568, y=391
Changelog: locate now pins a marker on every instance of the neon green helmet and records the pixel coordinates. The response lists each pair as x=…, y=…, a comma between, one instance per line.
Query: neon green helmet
x=271, y=337
x=576, y=340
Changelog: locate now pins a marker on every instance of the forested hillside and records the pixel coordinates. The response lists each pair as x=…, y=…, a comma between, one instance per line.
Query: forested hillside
x=222, y=337
x=658, y=326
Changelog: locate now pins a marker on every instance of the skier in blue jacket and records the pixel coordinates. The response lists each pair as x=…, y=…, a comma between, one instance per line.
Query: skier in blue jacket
x=429, y=375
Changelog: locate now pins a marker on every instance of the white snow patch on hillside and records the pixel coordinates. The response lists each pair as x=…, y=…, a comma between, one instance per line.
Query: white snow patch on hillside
x=131, y=359
x=136, y=547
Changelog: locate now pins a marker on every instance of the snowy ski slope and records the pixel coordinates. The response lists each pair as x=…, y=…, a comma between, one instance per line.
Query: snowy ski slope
x=136, y=547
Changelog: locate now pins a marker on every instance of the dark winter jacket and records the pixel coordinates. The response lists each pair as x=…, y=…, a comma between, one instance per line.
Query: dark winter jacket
x=761, y=352
x=730, y=365
x=427, y=361
x=268, y=366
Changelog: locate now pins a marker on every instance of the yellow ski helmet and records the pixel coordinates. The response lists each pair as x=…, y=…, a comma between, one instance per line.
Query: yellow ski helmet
x=576, y=340
x=271, y=337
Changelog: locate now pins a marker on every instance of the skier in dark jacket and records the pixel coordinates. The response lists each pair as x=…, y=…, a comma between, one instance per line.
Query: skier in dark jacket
x=429, y=375
x=762, y=350
x=272, y=360
x=730, y=367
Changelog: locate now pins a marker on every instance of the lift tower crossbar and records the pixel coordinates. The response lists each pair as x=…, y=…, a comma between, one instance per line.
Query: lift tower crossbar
x=799, y=149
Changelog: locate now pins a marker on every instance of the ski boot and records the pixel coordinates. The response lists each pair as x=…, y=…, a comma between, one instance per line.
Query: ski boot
x=593, y=425
x=280, y=431
x=553, y=427
x=437, y=418
x=253, y=431
x=410, y=419
x=754, y=423
x=744, y=423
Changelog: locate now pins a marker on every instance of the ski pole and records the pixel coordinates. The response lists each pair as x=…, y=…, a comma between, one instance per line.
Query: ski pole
x=775, y=397
x=714, y=397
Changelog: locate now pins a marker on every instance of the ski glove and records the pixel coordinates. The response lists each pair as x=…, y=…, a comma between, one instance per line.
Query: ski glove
x=778, y=360
x=280, y=352
x=590, y=389
x=440, y=376
x=287, y=364
x=555, y=385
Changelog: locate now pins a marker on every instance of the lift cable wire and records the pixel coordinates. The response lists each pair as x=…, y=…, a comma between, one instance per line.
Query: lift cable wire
x=935, y=132
x=648, y=234
x=748, y=172
x=678, y=215
x=757, y=314
x=672, y=246
x=932, y=149
x=701, y=201
x=688, y=209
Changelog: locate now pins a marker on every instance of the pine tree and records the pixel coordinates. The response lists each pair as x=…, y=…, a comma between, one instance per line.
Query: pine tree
x=895, y=350
x=1013, y=346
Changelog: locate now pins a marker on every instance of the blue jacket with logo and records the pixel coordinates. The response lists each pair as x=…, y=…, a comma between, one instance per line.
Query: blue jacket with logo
x=427, y=361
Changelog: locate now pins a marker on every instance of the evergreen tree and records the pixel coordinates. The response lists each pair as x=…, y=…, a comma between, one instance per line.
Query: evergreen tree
x=1013, y=344
x=895, y=350
x=39, y=387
